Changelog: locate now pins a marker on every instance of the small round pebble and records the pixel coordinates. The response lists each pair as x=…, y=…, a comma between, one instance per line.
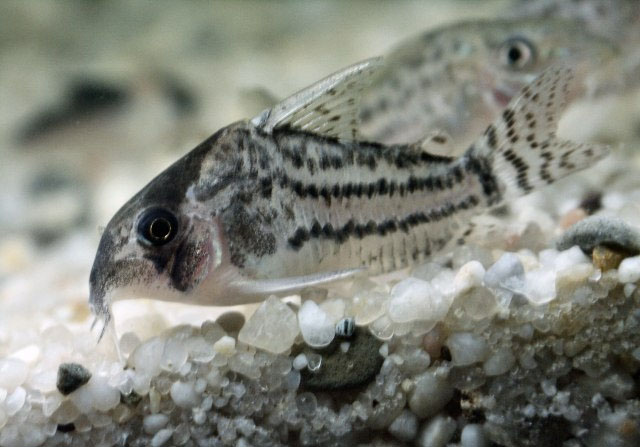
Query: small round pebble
x=300, y=362
x=231, y=322
x=71, y=376
x=161, y=437
x=405, y=426
x=437, y=432
x=629, y=270
x=473, y=436
x=467, y=348
x=430, y=395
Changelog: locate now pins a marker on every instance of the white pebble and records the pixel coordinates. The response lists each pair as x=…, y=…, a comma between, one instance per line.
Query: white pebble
x=540, y=286
x=437, y=432
x=466, y=348
x=300, y=362
x=368, y=305
x=146, y=358
x=499, y=362
x=405, y=426
x=154, y=422
x=469, y=275
x=569, y=258
x=161, y=437
x=413, y=299
x=15, y=401
x=174, y=355
x=184, y=394
x=318, y=330
x=13, y=373
x=96, y=394
x=629, y=270
x=506, y=273
x=430, y=394
x=29, y=354
x=272, y=327
x=473, y=436
x=629, y=288
x=225, y=346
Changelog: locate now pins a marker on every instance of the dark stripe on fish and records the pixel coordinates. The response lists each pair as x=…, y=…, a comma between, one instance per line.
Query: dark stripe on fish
x=360, y=230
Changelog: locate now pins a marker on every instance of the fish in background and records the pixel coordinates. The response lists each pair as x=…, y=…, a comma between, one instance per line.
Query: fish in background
x=295, y=198
x=452, y=81
x=616, y=20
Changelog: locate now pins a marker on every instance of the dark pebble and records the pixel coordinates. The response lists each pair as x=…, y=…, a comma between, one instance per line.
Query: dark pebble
x=591, y=202
x=66, y=428
x=71, y=376
x=231, y=322
x=344, y=370
x=599, y=230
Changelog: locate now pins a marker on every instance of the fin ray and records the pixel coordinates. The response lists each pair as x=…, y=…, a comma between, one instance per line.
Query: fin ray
x=330, y=106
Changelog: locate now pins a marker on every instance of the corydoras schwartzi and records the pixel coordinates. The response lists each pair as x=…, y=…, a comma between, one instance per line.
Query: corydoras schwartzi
x=456, y=79
x=292, y=198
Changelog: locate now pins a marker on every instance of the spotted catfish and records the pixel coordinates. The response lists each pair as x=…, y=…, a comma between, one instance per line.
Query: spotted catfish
x=455, y=79
x=293, y=198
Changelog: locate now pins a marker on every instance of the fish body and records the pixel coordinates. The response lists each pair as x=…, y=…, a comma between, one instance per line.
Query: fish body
x=456, y=79
x=293, y=198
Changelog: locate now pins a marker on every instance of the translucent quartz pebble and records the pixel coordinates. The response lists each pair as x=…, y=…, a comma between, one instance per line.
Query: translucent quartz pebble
x=184, y=394
x=430, y=394
x=161, y=437
x=15, y=401
x=437, y=432
x=405, y=426
x=479, y=303
x=317, y=328
x=506, y=273
x=300, y=362
x=13, y=373
x=499, y=362
x=128, y=343
x=334, y=309
x=97, y=394
x=473, y=436
x=469, y=275
x=629, y=270
x=199, y=349
x=306, y=403
x=152, y=423
x=146, y=358
x=540, y=286
x=368, y=305
x=273, y=327
x=174, y=354
x=466, y=348
x=382, y=328
x=413, y=299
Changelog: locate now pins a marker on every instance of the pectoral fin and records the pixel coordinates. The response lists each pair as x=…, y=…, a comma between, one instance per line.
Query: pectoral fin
x=291, y=284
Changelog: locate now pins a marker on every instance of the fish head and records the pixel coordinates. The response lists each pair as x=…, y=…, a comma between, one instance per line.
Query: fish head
x=519, y=50
x=167, y=242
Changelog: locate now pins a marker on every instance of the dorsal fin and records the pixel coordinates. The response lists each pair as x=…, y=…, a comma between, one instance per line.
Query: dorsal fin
x=328, y=107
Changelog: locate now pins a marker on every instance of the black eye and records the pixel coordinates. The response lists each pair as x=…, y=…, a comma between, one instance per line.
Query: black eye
x=157, y=226
x=517, y=53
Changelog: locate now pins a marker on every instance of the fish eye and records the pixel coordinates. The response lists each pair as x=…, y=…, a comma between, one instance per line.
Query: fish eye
x=157, y=226
x=517, y=53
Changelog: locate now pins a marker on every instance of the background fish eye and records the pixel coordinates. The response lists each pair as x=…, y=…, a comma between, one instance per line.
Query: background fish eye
x=517, y=53
x=157, y=226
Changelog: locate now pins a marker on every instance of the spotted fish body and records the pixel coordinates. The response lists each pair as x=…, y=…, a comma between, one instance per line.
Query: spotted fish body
x=293, y=198
x=457, y=78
